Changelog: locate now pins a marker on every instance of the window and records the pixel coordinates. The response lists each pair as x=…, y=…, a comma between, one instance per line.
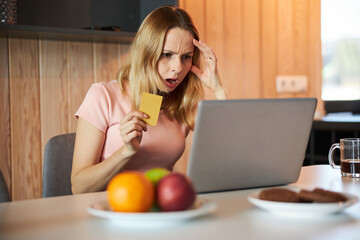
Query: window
x=340, y=36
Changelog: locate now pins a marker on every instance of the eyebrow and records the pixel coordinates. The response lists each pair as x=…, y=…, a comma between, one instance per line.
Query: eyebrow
x=165, y=50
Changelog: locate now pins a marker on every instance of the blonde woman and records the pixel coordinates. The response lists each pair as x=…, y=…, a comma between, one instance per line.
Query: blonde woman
x=110, y=136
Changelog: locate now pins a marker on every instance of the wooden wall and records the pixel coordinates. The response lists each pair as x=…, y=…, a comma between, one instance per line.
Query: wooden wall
x=256, y=40
x=42, y=82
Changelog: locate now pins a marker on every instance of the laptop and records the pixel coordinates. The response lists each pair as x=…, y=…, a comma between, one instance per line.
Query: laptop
x=239, y=144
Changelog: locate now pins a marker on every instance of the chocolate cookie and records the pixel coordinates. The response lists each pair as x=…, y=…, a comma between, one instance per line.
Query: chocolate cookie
x=319, y=195
x=278, y=195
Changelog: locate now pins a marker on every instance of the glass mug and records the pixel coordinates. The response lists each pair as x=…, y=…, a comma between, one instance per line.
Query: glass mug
x=349, y=157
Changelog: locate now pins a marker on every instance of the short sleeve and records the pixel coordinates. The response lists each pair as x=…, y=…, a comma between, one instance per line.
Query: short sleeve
x=95, y=107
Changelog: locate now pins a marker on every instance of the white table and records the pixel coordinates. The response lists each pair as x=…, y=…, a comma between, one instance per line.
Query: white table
x=67, y=218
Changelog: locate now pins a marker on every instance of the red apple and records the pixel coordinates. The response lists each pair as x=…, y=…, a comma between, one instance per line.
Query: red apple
x=175, y=192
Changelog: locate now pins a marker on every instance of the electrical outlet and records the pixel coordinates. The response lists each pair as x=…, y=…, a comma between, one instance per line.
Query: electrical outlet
x=291, y=83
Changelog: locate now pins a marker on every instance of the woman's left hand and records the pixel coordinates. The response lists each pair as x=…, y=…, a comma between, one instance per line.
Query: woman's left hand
x=210, y=76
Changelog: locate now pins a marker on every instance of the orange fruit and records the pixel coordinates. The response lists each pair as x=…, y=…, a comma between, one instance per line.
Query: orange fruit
x=130, y=192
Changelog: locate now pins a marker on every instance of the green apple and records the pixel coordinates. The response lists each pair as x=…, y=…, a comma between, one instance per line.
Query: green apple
x=155, y=174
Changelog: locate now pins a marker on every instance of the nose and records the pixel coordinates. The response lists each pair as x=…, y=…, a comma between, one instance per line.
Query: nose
x=176, y=65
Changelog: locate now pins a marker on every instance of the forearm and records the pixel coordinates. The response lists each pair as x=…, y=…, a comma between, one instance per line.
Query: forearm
x=96, y=177
x=218, y=88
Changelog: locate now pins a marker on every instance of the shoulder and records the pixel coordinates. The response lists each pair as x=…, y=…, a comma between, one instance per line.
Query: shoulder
x=106, y=90
x=105, y=87
x=103, y=95
x=101, y=103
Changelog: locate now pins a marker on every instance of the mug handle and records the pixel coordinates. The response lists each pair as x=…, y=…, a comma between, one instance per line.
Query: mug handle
x=331, y=153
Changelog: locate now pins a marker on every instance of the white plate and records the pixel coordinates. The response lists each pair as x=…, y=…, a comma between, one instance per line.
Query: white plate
x=302, y=209
x=201, y=207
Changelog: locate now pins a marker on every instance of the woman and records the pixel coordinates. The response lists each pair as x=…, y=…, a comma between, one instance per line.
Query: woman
x=110, y=135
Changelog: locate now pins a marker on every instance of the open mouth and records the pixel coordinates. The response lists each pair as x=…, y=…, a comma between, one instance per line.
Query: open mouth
x=172, y=82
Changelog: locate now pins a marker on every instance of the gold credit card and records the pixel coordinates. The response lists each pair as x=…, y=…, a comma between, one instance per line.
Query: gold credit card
x=150, y=104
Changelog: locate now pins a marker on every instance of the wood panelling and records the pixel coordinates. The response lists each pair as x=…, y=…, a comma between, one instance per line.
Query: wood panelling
x=53, y=90
x=300, y=33
x=42, y=86
x=25, y=118
x=43, y=82
x=106, y=61
x=214, y=34
x=285, y=50
x=256, y=40
x=300, y=40
x=80, y=76
x=268, y=48
x=5, y=157
x=251, y=87
x=285, y=37
x=196, y=9
x=234, y=48
x=314, y=53
x=124, y=53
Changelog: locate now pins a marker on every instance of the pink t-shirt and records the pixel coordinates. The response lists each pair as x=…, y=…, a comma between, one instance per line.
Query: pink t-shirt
x=104, y=106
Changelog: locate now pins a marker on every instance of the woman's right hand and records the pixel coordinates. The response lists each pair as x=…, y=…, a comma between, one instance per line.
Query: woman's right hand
x=131, y=130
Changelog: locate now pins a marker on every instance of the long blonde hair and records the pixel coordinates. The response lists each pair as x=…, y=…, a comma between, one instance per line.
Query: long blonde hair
x=140, y=72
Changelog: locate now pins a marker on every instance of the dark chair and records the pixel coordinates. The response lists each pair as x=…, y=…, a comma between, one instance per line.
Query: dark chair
x=4, y=192
x=58, y=156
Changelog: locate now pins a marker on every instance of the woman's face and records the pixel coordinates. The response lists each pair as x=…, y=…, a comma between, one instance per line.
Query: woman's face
x=176, y=57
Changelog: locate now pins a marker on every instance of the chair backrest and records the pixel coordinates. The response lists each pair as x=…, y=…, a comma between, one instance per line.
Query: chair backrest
x=4, y=192
x=58, y=156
